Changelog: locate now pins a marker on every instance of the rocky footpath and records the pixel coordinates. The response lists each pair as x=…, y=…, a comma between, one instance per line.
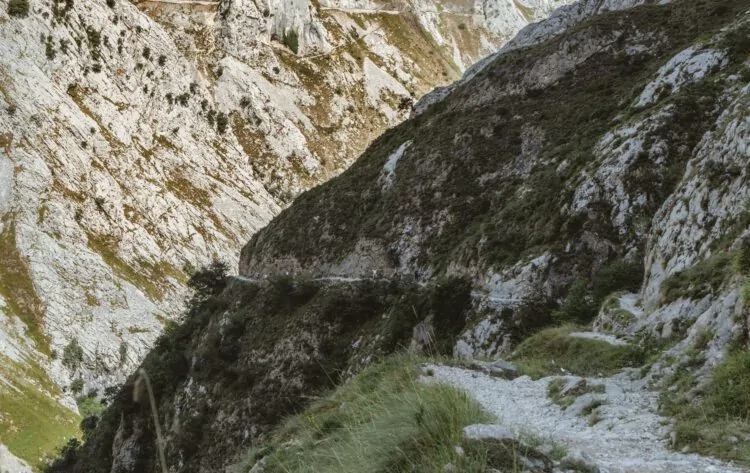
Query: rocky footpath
x=139, y=140
x=617, y=430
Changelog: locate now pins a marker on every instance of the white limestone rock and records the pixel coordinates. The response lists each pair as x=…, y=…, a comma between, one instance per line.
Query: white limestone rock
x=11, y=464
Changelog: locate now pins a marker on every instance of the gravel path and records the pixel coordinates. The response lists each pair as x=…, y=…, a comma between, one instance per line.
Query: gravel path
x=630, y=437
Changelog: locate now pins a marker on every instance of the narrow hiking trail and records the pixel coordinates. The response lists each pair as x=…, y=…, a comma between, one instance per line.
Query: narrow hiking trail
x=628, y=435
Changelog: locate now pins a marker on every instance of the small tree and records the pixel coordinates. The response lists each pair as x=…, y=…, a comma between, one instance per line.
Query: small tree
x=291, y=39
x=19, y=8
x=221, y=122
x=578, y=306
x=76, y=386
x=72, y=355
x=209, y=281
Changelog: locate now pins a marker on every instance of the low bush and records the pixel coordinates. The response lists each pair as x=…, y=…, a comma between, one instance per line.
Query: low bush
x=222, y=121
x=291, y=40
x=578, y=306
x=709, y=426
x=618, y=275
x=699, y=280
x=18, y=8
x=72, y=355
x=583, y=299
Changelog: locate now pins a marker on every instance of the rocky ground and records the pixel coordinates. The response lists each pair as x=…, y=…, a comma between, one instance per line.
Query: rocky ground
x=614, y=431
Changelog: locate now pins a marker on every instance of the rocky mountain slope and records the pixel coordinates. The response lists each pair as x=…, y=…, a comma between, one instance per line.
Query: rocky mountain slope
x=139, y=140
x=593, y=173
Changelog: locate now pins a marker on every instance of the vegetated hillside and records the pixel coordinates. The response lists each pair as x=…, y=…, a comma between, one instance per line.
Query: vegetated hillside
x=515, y=163
x=139, y=140
x=250, y=354
x=597, y=178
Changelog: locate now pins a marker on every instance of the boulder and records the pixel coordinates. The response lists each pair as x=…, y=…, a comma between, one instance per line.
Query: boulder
x=10, y=463
x=579, y=461
x=498, y=368
x=463, y=352
x=503, y=450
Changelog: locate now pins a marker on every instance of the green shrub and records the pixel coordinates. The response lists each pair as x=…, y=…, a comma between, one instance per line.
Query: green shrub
x=221, y=122
x=699, y=280
x=531, y=315
x=553, y=350
x=49, y=48
x=90, y=406
x=72, y=355
x=737, y=43
x=723, y=413
x=66, y=459
x=741, y=259
x=618, y=275
x=729, y=393
x=578, y=307
x=18, y=8
x=76, y=386
x=209, y=281
x=291, y=40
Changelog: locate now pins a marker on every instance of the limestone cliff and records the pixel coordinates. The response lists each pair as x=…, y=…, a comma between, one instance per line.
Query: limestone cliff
x=139, y=140
x=592, y=172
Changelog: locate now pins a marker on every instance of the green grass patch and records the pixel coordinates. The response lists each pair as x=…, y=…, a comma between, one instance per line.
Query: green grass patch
x=384, y=420
x=719, y=423
x=17, y=288
x=698, y=280
x=291, y=40
x=152, y=280
x=552, y=350
x=32, y=423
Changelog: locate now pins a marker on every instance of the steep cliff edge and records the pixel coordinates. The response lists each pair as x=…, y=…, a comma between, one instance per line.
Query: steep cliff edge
x=595, y=178
x=139, y=140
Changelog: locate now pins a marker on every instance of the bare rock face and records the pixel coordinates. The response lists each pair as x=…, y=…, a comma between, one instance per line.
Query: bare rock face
x=11, y=464
x=140, y=141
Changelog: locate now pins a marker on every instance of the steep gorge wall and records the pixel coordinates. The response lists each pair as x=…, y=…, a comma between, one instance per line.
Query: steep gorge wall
x=139, y=141
x=638, y=193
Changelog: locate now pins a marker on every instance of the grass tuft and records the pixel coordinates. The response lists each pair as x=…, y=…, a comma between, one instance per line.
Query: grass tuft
x=384, y=420
x=699, y=280
x=719, y=424
x=553, y=351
